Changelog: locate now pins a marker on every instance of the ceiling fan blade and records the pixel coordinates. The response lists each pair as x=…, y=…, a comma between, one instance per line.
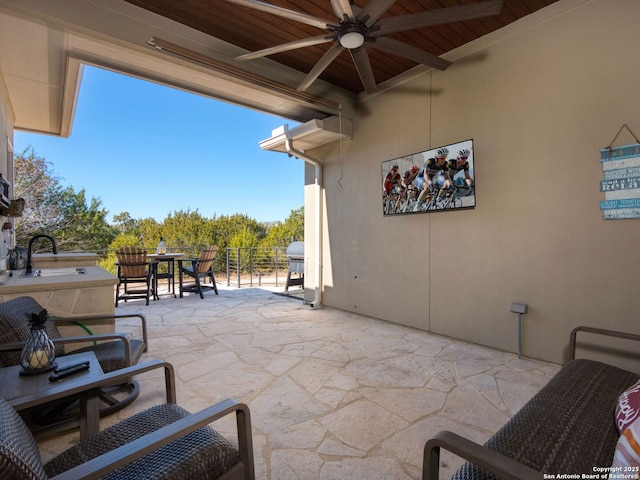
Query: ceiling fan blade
x=395, y=47
x=363, y=66
x=374, y=10
x=320, y=67
x=286, y=13
x=342, y=8
x=437, y=17
x=285, y=47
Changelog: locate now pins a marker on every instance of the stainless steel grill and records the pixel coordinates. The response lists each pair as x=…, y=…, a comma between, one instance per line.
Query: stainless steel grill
x=295, y=258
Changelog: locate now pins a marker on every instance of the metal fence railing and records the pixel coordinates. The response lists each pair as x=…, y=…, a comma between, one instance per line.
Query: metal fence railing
x=247, y=266
x=256, y=266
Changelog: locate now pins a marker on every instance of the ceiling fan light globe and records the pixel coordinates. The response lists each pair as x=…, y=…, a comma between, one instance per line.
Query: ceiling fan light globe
x=352, y=40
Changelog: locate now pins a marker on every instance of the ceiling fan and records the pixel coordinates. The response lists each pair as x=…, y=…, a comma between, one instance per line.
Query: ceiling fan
x=359, y=27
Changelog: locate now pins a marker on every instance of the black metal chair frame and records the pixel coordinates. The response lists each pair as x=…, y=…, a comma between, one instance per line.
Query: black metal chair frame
x=102, y=461
x=192, y=271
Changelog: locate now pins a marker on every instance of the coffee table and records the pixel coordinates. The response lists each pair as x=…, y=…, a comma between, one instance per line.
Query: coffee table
x=24, y=392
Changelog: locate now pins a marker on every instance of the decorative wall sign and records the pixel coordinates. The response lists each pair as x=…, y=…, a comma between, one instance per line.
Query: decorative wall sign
x=621, y=184
x=441, y=179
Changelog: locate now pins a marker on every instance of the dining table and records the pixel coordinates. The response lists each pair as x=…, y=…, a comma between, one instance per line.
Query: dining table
x=169, y=259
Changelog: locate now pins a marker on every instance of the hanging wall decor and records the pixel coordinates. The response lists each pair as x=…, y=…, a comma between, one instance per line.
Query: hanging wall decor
x=621, y=183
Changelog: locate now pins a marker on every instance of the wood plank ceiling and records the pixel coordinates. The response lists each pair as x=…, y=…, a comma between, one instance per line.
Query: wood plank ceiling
x=254, y=30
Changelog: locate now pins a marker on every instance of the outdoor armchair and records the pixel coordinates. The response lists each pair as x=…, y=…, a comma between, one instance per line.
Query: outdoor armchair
x=135, y=274
x=114, y=351
x=164, y=441
x=200, y=269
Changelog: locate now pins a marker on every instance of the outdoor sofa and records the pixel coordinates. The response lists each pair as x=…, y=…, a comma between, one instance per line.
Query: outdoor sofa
x=567, y=430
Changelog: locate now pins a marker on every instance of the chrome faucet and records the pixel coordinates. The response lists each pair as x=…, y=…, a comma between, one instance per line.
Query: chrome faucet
x=29, y=268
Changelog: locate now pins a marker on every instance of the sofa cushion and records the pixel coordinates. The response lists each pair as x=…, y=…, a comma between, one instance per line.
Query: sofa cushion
x=628, y=407
x=545, y=433
x=628, y=449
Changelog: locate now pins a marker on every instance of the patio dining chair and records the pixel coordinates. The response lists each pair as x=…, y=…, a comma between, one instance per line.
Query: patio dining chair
x=164, y=441
x=135, y=274
x=113, y=351
x=200, y=269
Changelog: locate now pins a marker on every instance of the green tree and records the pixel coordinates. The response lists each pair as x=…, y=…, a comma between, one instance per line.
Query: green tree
x=281, y=234
x=41, y=190
x=53, y=210
x=124, y=222
x=226, y=228
x=149, y=232
x=244, y=238
x=83, y=227
x=187, y=230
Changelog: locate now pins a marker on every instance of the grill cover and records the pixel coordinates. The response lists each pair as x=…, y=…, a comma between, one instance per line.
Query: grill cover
x=295, y=257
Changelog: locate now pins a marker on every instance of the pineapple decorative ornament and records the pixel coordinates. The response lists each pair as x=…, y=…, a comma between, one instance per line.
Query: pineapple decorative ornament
x=39, y=353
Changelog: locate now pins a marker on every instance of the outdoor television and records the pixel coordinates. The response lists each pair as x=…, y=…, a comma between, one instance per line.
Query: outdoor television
x=436, y=180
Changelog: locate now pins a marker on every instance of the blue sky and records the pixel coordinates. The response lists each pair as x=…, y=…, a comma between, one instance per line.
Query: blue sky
x=151, y=150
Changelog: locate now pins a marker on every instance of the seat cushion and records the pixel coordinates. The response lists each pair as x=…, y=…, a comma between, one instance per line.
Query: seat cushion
x=568, y=426
x=111, y=355
x=203, y=454
x=19, y=456
x=14, y=327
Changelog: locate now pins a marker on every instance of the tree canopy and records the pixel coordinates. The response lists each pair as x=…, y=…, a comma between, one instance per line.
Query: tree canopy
x=78, y=225
x=52, y=209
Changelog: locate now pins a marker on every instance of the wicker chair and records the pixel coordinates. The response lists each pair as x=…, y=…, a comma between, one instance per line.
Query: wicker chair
x=164, y=441
x=118, y=352
x=135, y=274
x=200, y=269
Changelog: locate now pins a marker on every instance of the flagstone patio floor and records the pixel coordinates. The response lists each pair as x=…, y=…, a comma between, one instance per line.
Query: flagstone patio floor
x=332, y=394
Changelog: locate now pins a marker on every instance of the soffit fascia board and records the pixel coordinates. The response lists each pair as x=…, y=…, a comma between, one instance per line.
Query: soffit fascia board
x=71, y=91
x=33, y=74
x=312, y=134
x=196, y=79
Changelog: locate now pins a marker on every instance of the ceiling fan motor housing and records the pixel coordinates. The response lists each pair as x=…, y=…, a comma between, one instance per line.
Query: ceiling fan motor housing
x=352, y=35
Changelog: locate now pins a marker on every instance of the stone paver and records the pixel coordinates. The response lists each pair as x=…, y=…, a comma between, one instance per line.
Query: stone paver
x=333, y=395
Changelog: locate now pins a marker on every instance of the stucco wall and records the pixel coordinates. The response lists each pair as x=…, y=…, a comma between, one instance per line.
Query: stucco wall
x=6, y=131
x=539, y=106
x=7, y=120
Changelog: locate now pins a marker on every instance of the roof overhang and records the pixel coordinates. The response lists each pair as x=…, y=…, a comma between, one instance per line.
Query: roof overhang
x=46, y=44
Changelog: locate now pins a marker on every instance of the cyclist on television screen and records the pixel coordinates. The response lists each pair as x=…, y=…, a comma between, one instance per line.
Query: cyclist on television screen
x=392, y=181
x=434, y=172
x=459, y=169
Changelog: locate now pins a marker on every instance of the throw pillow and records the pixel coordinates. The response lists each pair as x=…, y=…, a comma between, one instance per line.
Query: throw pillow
x=628, y=407
x=628, y=448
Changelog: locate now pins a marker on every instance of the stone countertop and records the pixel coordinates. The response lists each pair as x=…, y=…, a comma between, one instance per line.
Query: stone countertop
x=46, y=260
x=94, y=277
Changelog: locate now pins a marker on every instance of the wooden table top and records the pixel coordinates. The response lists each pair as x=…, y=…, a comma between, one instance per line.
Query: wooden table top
x=23, y=392
x=168, y=256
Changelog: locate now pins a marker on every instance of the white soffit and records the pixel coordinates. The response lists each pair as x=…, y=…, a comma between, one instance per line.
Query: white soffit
x=312, y=134
x=34, y=73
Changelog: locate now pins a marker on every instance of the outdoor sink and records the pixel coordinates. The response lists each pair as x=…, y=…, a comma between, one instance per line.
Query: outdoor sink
x=55, y=272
